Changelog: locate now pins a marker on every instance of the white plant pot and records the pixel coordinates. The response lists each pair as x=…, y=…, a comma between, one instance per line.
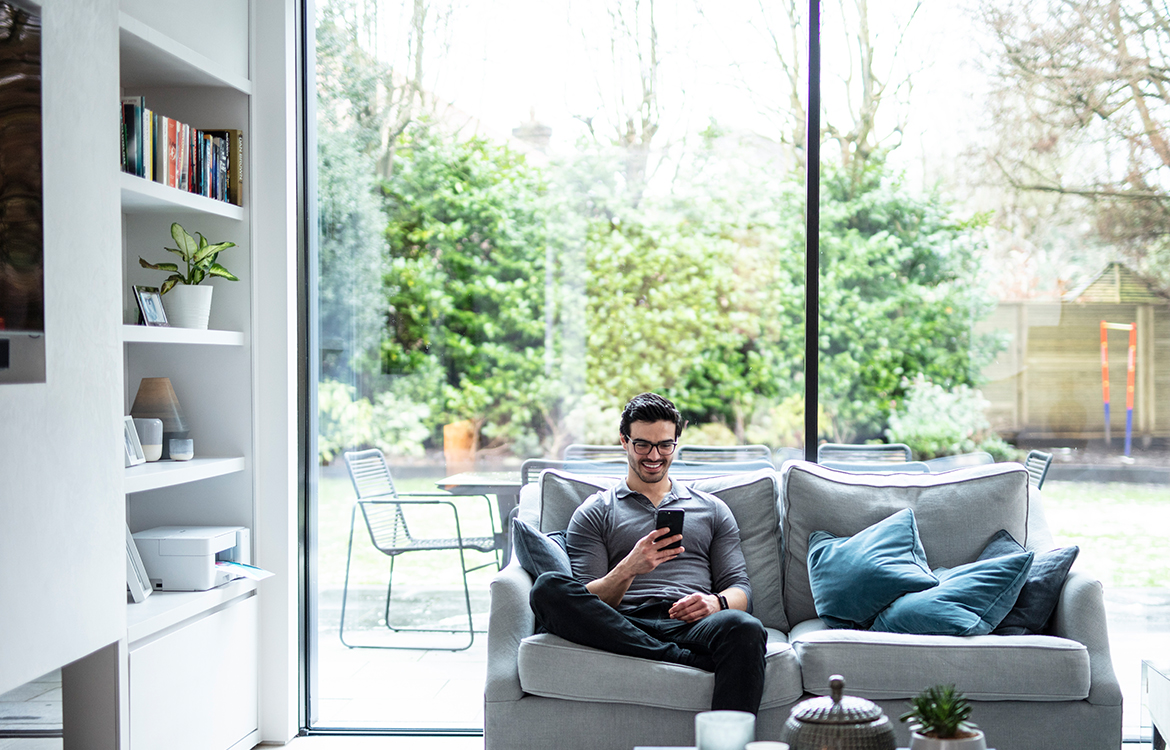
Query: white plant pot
x=188, y=306
x=922, y=742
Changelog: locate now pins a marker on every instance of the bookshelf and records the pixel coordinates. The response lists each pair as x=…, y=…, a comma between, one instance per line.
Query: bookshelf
x=193, y=657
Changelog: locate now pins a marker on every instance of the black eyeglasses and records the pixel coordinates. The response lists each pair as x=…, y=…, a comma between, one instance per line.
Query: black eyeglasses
x=642, y=447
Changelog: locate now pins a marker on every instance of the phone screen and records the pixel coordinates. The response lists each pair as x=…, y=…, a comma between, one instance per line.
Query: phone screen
x=672, y=519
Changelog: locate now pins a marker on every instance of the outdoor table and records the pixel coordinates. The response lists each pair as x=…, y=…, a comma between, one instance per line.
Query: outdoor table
x=505, y=485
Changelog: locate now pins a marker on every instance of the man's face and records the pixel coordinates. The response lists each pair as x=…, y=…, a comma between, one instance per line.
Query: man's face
x=651, y=467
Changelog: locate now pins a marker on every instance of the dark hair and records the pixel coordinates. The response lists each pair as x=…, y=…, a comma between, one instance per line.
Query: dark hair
x=650, y=407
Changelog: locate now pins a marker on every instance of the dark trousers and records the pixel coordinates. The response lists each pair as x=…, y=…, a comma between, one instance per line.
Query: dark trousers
x=730, y=643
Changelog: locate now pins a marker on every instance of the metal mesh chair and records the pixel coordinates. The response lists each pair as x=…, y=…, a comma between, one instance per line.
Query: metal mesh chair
x=879, y=467
x=867, y=454
x=946, y=463
x=713, y=453
x=1037, y=464
x=384, y=513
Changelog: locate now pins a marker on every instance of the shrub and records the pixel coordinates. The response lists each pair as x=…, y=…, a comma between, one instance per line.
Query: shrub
x=395, y=425
x=936, y=421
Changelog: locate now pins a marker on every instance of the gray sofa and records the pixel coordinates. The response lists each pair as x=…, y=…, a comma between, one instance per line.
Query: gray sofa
x=1029, y=692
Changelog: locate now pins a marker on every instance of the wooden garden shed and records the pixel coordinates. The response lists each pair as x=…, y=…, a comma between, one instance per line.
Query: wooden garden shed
x=1047, y=383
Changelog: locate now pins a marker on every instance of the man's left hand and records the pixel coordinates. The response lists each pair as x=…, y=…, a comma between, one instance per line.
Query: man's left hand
x=694, y=607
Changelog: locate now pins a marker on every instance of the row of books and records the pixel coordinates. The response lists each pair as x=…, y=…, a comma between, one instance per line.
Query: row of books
x=160, y=148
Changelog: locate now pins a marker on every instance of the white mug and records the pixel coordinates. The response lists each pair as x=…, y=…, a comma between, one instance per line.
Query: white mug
x=724, y=730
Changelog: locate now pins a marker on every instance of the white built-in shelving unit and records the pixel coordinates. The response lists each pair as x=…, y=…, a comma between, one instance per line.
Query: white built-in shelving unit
x=193, y=656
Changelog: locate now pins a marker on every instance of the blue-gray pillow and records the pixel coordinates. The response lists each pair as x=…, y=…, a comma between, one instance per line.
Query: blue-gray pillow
x=539, y=553
x=970, y=599
x=854, y=578
x=1041, y=592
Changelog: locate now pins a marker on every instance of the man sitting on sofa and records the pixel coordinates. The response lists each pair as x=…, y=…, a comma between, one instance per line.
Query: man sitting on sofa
x=632, y=595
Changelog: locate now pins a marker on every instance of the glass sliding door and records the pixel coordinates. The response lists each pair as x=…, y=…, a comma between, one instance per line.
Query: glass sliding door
x=994, y=270
x=528, y=213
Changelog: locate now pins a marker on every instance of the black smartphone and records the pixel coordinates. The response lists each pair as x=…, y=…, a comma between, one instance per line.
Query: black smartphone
x=672, y=519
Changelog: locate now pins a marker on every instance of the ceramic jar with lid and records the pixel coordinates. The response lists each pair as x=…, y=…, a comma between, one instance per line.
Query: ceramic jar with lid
x=839, y=722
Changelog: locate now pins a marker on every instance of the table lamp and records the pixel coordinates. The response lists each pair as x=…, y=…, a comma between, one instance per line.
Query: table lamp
x=156, y=399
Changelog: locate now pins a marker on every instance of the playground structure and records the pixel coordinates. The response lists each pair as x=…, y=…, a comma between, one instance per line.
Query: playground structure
x=1131, y=368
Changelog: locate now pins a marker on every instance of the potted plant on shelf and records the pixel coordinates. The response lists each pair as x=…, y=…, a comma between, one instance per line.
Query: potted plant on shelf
x=188, y=304
x=938, y=717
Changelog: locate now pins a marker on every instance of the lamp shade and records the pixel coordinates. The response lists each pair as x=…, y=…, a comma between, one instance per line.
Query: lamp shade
x=156, y=399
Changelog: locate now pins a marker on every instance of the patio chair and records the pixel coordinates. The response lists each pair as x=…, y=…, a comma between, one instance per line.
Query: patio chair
x=531, y=467
x=1037, y=464
x=880, y=467
x=713, y=453
x=785, y=453
x=384, y=512
x=946, y=463
x=582, y=452
x=870, y=454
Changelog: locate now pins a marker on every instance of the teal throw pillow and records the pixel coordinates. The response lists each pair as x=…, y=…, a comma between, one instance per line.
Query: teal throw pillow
x=1041, y=592
x=539, y=553
x=854, y=578
x=970, y=599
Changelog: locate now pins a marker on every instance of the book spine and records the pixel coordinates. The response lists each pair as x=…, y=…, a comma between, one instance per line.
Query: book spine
x=172, y=153
x=122, y=120
x=148, y=144
x=139, y=132
x=185, y=159
x=236, y=167
x=128, y=116
x=160, y=149
x=208, y=163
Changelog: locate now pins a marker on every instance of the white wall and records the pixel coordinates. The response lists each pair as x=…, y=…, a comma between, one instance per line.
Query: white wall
x=62, y=569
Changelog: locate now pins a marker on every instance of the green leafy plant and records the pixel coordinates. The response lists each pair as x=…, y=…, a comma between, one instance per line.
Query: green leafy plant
x=936, y=421
x=940, y=711
x=199, y=255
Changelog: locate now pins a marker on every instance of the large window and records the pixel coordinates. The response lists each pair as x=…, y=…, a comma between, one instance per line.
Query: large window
x=529, y=212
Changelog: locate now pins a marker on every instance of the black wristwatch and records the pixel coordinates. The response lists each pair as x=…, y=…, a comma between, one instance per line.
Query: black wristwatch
x=722, y=601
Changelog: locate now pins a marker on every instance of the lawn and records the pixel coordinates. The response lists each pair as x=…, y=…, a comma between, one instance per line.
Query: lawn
x=1123, y=530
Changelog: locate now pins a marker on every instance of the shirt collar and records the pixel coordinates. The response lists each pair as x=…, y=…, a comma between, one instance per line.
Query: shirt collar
x=678, y=491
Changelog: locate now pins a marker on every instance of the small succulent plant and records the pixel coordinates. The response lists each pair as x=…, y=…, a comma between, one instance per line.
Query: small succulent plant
x=940, y=711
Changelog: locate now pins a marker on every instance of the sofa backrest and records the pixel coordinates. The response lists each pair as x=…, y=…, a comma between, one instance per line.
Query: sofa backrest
x=752, y=497
x=957, y=514
x=754, y=500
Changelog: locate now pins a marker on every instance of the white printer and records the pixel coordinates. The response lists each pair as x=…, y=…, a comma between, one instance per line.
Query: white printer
x=182, y=558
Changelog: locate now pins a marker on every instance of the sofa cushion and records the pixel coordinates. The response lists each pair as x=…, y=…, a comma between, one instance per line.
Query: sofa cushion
x=555, y=668
x=540, y=553
x=754, y=500
x=971, y=599
x=957, y=513
x=854, y=578
x=561, y=492
x=1041, y=592
x=897, y=666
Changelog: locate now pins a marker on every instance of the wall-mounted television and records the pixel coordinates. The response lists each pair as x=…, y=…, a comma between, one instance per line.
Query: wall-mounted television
x=22, y=245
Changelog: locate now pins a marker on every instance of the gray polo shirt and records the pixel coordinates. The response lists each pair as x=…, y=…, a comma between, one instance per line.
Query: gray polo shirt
x=606, y=527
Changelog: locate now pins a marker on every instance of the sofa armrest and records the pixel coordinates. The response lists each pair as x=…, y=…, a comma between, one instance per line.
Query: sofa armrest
x=1080, y=616
x=510, y=621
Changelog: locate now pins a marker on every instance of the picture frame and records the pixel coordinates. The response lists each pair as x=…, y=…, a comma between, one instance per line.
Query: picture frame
x=150, y=306
x=137, y=581
x=134, y=453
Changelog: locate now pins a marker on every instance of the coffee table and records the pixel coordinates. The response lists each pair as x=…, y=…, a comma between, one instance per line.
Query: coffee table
x=1156, y=697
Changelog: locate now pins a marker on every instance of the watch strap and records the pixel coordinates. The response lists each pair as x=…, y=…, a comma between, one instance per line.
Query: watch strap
x=722, y=601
